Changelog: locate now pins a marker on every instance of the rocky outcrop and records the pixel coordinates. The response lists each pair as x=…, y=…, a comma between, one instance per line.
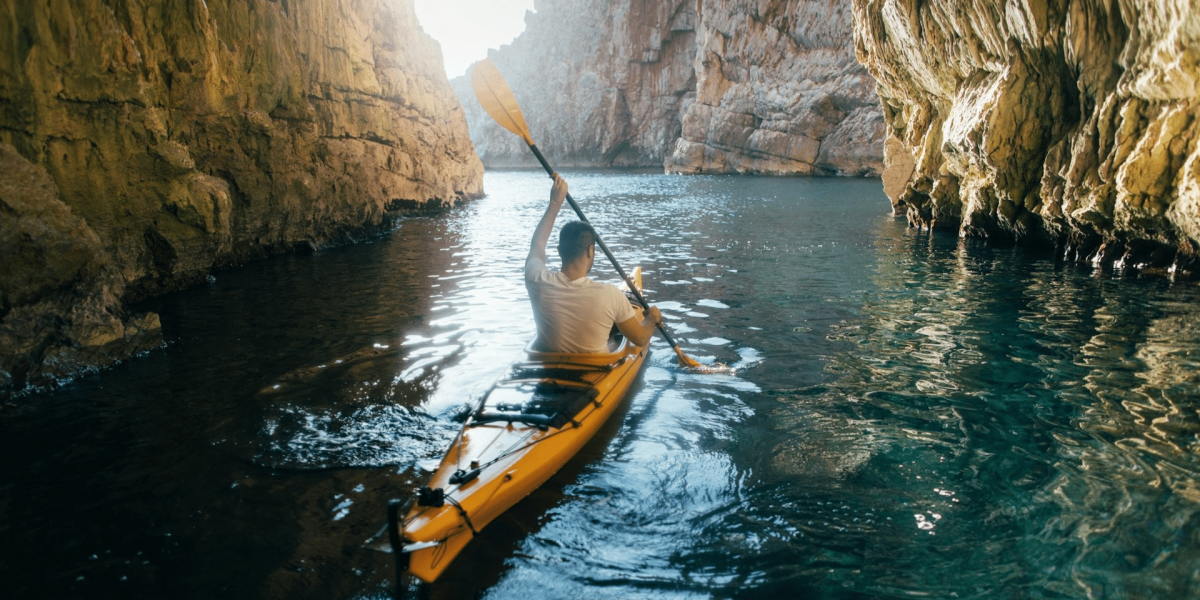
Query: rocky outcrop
x=601, y=83
x=779, y=92
x=1053, y=123
x=144, y=144
x=60, y=304
x=695, y=86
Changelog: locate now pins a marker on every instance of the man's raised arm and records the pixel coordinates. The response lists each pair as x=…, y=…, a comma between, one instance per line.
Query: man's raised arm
x=541, y=235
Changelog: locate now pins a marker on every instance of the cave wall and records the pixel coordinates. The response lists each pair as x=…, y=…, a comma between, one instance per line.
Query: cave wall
x=692, y=86
x=146, y=142
x=1054, y=123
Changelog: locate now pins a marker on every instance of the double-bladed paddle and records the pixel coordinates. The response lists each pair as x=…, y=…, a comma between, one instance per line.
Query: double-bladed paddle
x=498, y=100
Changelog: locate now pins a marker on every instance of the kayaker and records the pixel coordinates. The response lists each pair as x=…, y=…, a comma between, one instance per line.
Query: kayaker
x=574, y=313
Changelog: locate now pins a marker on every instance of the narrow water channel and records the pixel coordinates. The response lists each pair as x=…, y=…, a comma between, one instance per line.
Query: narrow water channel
x=913, y=415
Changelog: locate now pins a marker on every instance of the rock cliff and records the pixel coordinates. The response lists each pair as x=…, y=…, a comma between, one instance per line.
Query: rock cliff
x=779, y=92
x=714, y=86
x=601, y=83
x=1068, y=124
x=145, y=143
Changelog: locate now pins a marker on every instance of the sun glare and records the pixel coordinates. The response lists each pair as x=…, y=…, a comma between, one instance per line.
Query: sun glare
x=466, y=29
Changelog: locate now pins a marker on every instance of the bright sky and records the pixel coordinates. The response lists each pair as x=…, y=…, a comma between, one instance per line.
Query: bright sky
x=467, y=28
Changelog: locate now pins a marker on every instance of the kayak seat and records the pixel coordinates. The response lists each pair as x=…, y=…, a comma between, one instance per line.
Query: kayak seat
x=618, y=346
x=561, y=373
x=542, y=404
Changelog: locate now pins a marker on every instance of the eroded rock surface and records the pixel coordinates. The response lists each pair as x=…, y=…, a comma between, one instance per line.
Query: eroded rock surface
x=1071, y=124
x=779, y=92
x=708, y=86
x=601, y=83
x=144, y=143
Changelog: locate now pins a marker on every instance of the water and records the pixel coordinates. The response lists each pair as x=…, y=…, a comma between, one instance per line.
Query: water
x=913, y=416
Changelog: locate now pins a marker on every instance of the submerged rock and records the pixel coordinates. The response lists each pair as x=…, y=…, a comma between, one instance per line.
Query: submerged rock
x=152, y=142
x=708, y=86
x=1061, y=124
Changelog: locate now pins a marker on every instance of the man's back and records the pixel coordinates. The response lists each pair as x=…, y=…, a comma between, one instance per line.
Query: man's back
x=573, y=316
x=574, y=313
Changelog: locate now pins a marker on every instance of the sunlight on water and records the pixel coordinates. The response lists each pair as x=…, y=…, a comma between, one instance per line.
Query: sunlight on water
x=907, y=415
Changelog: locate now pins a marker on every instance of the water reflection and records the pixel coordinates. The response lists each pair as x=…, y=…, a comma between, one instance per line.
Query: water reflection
x=1025, y=428
x=909, y=415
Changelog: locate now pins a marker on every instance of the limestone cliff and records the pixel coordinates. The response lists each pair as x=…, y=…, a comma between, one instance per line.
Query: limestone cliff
x=1057, y=123
x=762, y=86
x=601, y=83
x=779, y=92
x=145, y=143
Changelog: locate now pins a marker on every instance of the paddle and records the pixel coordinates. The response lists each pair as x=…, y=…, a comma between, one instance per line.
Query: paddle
x=499, y=102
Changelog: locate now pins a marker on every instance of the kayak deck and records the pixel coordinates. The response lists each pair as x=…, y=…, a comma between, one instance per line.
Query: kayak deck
x=527, y=426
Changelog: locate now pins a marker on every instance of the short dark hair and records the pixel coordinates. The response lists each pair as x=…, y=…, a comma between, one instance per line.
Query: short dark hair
x=574, y=239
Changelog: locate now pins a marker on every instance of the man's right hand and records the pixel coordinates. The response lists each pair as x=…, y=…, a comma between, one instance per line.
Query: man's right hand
x=541, y=234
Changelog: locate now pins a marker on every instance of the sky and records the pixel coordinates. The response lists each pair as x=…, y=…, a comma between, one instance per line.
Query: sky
x=467, y=28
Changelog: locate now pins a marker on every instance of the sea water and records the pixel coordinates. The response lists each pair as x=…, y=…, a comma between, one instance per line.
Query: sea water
x=910, y=415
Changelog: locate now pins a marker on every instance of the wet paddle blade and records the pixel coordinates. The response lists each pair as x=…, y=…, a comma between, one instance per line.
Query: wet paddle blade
x=497, y=98
x=695, y=365
x=686, y=360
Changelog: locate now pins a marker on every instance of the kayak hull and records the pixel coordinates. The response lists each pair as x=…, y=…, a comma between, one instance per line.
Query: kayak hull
x=534, y=420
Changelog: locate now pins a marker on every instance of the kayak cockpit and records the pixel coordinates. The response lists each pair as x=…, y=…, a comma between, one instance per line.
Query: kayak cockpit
x=540, y=403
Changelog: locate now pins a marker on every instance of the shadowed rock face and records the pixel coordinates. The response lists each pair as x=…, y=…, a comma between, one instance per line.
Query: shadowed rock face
x=149, y=142
x=1049, y=122
x=708, y=86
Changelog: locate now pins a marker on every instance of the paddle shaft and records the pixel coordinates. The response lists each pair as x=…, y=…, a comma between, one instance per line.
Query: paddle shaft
x=612, y=259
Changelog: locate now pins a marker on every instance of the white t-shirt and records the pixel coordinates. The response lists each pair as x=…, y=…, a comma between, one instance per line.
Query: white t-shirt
x=573, y=316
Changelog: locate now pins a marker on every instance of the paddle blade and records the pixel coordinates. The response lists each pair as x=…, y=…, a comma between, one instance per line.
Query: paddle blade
x=690, y=363
x=497, y=98
x=687, y=361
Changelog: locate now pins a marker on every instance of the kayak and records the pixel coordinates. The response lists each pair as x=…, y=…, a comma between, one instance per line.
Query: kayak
x=525, y=428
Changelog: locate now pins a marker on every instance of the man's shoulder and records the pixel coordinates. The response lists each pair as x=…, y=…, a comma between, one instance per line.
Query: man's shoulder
x=612, y=295
x=534, y=268
x=602, y=286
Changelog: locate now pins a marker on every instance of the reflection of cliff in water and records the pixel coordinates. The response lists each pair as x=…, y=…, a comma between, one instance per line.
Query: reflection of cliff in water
x=1040, y=420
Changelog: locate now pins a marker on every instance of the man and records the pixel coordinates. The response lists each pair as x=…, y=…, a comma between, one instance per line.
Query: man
x=574, y=313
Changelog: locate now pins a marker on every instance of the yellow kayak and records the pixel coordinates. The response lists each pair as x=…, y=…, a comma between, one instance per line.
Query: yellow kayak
x=528, y=425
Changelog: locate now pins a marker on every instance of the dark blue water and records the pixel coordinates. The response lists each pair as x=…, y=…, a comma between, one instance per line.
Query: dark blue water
x=913, y=415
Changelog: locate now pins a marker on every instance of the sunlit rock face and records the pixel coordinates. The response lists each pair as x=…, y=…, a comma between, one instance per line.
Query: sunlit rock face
x=600, y=83
x=779, y=92
x=1070, y=124
x=708, y=86
x=144, y=144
